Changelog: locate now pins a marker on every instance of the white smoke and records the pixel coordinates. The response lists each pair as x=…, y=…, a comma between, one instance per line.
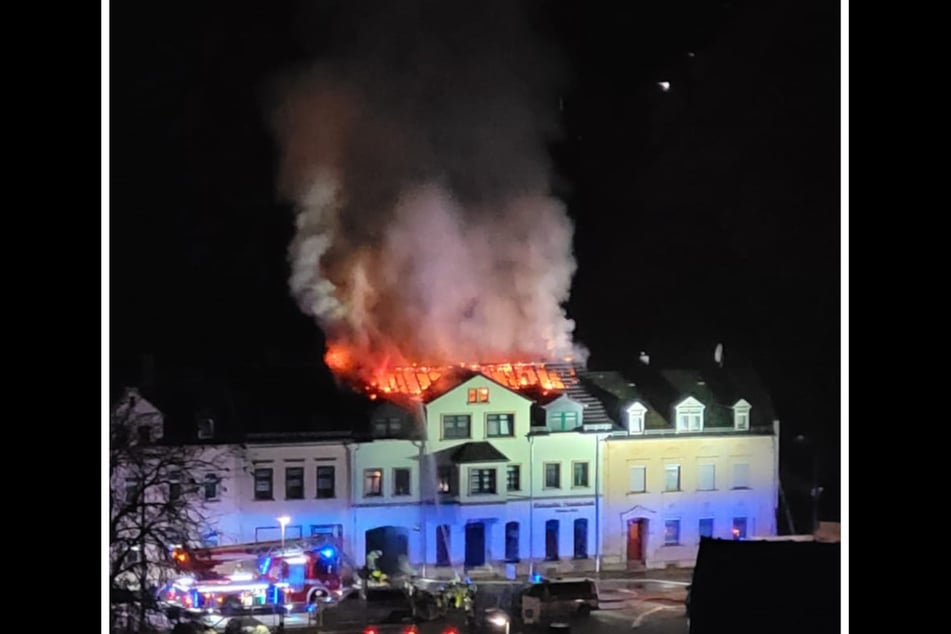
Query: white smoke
x=418, y=164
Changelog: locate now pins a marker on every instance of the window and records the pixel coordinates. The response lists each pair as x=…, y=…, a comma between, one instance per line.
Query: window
x=638, y=479
x=400, y=481
x=264, y=484
x=635, y=418
x=706, y=477
x=174, y=486
x=211, y=486
x=552, y=475
x=442, y=545
x=581, y=538
x=706, y=527
x=741, y=415
x=562, y=421
x=742, y=420
x=294, y=483
x=478, y=395
x=444, y=480
x=690, y=415
x=481, y=481
x=551, y=540
x=131, y=490
x=145, y=434
x=206, y=428
x=326, y=482
x=579, y=476
x=511, y=541
x=386, y=427
x=690, y=421
x=739, y=528
x=671, y=532
x=672, y=477
x=636, y=424
x=741, y=475
x=513, y=477
x=372, y=482
x=499, y=425
x=455, y=426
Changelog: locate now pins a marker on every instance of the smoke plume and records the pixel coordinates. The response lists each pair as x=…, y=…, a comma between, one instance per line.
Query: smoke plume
x=415, y=154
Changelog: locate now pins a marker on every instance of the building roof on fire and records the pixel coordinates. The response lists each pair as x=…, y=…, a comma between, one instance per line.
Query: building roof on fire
x=477, y=451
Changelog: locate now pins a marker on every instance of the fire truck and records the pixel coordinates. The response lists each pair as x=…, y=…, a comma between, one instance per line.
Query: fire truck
x=293, y=574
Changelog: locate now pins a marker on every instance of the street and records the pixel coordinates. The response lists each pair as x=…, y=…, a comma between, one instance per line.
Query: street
x=647, y=605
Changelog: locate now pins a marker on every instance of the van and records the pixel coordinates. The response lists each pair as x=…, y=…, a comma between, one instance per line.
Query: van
x=558, y=598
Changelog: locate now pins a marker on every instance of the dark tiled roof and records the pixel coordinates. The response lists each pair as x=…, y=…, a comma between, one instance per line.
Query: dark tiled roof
x=479, y=451
x=594, y=410
x=616, y=393
x=660, y=390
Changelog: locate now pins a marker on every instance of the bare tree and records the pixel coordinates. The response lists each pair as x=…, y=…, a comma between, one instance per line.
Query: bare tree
x=158, y=492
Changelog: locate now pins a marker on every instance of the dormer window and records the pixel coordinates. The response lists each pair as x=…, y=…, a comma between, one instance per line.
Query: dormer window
x=562, y=421
x=387, y=427
x=690, y=415
x=206, y=428
x=478, y=395
x=635, y=418
x=741, y=415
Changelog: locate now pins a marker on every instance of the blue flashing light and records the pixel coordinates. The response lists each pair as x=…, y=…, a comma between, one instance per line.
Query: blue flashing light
x=536, y=578
x=328, y=553
x=274, y=595
x=265, y=565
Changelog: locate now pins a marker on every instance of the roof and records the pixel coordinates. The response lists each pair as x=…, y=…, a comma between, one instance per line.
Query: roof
x=717, y=388
x=479, y=451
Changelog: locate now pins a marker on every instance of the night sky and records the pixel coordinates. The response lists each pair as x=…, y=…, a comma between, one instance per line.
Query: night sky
x=707, y=213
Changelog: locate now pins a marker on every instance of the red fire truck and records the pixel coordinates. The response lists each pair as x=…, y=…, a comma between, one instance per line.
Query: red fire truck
x=293, y=574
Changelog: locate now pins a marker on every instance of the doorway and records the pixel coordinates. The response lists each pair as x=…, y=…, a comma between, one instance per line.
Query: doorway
x=475, y=544
x=636, y=536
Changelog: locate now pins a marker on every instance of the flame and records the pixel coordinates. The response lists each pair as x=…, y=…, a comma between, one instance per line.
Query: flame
x=416, y=380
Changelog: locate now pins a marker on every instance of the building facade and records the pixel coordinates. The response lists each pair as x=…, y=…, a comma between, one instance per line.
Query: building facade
x=476, y=476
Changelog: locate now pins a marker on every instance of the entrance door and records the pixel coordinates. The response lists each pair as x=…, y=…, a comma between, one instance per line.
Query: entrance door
x=636, y=533
x=475, y=544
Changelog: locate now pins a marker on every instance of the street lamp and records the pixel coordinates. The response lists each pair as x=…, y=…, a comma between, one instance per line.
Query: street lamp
x=284, y=521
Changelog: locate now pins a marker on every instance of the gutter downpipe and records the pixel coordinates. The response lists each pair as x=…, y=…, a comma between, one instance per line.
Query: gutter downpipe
x=531, y=505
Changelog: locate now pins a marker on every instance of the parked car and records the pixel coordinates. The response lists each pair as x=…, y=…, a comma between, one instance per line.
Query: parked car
x=377, y=606
x=551, y=598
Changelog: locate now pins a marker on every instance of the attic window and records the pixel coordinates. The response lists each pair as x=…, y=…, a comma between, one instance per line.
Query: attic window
x=206, y=428
x=478, y=395
x=690, y=415
x=635, y=418
x=741, y=415
x=145, y=434
x=562, y=421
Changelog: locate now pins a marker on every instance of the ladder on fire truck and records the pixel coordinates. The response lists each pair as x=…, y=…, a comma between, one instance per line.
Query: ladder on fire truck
x=272, y=548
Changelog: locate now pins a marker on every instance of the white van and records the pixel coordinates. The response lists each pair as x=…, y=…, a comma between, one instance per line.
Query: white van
x=554, y=598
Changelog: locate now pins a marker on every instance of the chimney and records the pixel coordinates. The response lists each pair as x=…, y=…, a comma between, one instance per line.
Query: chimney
x=718, y=355
x=645, y=358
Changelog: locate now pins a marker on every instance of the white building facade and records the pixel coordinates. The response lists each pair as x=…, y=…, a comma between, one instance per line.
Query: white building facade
x=476, y=477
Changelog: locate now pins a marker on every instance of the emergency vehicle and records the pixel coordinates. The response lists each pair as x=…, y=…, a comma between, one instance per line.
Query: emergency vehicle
x=291, y=574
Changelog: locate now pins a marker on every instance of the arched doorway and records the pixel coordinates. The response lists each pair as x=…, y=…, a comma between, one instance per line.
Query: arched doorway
x=392, y=542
